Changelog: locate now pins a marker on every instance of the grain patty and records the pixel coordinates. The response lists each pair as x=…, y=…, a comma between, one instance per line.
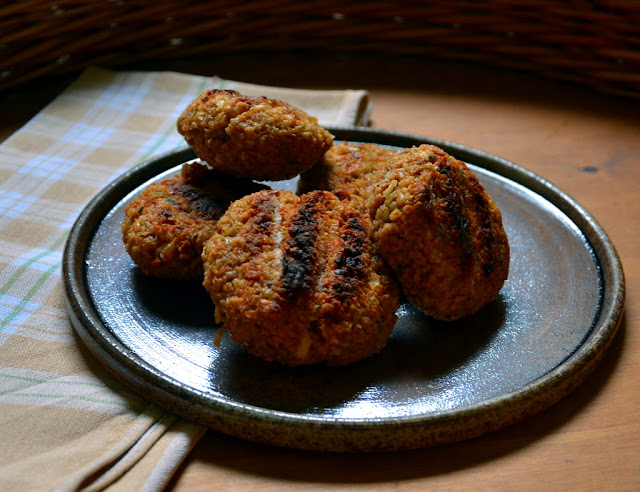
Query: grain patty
x=297, y=280
x=165, y=227
x=440, y=232
x=350, y=170
x=252, y=137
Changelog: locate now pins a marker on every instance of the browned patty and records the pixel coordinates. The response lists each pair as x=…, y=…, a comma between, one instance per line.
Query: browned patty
x=296, y=279
x=253, y=137
x=165, y=227
x=440, y=232
x=350, y=170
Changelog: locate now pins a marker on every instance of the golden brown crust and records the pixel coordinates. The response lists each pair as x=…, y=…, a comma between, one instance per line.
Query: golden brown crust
x=441, y=233
x=350, y=170
x=296, y=279
x=252, y=137
x=165, y=227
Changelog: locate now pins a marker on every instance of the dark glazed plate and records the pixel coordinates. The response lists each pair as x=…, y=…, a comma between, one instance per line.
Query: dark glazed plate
x=435, y=382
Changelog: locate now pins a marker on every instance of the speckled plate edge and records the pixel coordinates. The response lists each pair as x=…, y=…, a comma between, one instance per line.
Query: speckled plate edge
x=281, y=428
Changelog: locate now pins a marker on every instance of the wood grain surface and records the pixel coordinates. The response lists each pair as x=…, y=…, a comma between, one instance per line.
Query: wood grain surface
x=584, y=142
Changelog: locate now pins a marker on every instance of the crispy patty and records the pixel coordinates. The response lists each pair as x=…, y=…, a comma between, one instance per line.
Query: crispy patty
x=350, y=170
x=297, y=280
x=440, y=232
x=253, y=137
x=165, y=227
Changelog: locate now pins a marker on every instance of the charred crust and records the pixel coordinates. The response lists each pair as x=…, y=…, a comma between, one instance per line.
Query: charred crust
x=482, y=217
x=263, y=207
x=489, y=266
x=200, y=202
x=460, y=223
x=350, y=264
x=469, y=211
x=300, y=249
x=351, y=260
x=454, y=208
x=485, y=232
x=261, y=223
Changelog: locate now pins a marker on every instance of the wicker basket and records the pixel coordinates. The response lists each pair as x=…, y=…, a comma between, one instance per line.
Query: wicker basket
x=592, y=42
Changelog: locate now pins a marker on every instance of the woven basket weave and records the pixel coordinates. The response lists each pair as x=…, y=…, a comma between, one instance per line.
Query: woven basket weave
x=592, y=42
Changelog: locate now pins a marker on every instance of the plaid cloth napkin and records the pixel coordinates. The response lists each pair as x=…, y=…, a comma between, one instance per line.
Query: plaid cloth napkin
x=65, y=424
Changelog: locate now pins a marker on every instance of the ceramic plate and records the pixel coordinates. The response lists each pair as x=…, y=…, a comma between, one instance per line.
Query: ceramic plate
x=435, y=382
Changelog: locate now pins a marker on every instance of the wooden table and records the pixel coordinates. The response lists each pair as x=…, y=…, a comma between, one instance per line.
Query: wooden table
x=586, y=143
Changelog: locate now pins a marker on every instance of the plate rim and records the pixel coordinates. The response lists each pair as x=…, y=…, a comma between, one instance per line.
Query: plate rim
x=337, y=434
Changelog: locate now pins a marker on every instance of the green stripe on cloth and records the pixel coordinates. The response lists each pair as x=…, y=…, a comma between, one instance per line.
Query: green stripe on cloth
x=23, y=268
x=23, y=302
x=72, y=397
x=44, y=380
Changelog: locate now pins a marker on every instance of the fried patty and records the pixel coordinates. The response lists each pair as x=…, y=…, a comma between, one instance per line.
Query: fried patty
x=165, y=227
x=440, y=232
x=253, y=137
x=297, y=279
x=350, y=170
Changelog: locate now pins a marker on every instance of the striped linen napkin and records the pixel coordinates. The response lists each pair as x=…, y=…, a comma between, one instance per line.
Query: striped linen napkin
x=66, y=424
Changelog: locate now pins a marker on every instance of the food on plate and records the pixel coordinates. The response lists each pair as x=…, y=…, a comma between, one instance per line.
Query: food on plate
x=296, y=279
x=440, y=232
x=252, y=137
x=315, y=277
x=350, y=170
x=166, y=226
